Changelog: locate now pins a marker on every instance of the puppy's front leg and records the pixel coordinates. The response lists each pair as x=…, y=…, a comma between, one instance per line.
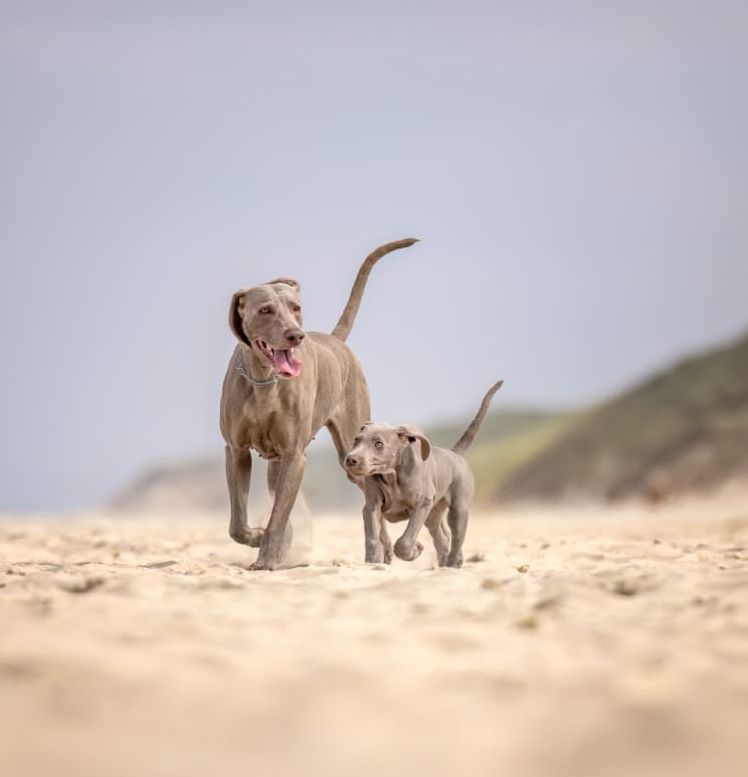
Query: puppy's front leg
x=290, y=473
x=407, y=547
x=384, y=536
x=373, y=526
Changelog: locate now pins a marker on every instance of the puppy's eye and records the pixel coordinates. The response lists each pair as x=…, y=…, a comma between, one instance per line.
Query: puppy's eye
x=357, y=441
x=265, y=310
x=379, y=445
x=296, y=308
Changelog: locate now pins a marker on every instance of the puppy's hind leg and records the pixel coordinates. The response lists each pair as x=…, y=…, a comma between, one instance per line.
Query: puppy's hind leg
x=437, y=527
x=457, y=519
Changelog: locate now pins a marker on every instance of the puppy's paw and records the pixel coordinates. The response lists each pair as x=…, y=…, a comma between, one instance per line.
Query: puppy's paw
x=247, y=535
x=407, y=551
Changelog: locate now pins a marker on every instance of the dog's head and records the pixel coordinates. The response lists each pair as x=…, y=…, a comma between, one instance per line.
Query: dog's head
x=268, y=319
x=378, y=448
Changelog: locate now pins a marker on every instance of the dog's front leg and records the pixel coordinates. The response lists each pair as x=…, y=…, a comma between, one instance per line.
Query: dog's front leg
x=238, y=474
x=290, y=473
x=407, y=547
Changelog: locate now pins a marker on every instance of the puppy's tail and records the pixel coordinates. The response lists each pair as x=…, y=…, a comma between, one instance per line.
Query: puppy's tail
x=345, y=324
x=467, y=438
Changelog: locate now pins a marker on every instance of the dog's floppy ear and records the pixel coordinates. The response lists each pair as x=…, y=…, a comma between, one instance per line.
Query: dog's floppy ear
x=286, y=282
x=235, y=316
x=411, y=434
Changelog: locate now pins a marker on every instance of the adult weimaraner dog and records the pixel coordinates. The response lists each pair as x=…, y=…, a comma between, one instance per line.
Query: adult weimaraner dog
x=282, y=385
x=432, y=486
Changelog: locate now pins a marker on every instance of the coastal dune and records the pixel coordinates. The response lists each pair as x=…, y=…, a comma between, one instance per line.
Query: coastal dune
x=573, y=642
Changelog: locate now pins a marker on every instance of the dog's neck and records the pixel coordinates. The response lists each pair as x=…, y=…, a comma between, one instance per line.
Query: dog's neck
x=255, y=367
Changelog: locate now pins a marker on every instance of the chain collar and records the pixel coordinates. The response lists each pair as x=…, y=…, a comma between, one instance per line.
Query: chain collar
x=271, y=381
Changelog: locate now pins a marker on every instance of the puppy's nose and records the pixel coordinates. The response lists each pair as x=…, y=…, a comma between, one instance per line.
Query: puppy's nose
x=295, y=336
x=350, y=460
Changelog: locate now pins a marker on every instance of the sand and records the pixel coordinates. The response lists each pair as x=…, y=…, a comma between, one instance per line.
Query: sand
x=589, y=642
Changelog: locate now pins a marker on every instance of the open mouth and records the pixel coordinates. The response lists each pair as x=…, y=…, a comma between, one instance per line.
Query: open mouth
x=286, y=363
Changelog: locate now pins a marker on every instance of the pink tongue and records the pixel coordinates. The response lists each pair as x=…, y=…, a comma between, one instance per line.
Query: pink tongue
x=286, y=363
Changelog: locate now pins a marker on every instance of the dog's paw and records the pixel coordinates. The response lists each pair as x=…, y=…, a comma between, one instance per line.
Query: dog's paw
x=262, y=566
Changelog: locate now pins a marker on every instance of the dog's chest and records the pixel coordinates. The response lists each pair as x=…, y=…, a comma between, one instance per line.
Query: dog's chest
x=266, y=428
x=264, y=447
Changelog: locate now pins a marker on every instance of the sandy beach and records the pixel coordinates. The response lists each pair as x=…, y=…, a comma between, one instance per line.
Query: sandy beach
x=590, y=642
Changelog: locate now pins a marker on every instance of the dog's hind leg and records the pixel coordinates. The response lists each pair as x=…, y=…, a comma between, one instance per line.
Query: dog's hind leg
x=343, y=431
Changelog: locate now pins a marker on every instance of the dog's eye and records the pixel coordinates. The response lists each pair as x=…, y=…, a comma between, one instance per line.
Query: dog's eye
x=379, y=445
x=264, y=311
x=297, y=308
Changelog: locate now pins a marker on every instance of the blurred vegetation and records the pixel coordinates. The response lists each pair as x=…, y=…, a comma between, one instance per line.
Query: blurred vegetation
x=507, y=440
x=684, y=429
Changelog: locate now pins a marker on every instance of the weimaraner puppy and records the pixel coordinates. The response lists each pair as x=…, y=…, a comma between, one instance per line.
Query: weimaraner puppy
x=415, y=483
x=282, y=385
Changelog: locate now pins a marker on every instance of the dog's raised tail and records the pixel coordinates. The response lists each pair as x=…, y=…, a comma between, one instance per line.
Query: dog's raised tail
x=345, y=324
x=469, y=435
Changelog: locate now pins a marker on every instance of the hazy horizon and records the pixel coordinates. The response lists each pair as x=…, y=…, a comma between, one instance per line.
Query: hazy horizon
x=577, y=174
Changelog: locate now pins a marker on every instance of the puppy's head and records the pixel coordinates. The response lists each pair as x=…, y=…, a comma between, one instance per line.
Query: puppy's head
x=268, y=319
x=378, y=448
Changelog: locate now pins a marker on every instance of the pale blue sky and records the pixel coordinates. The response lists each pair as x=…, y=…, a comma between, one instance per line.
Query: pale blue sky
x=577, y=172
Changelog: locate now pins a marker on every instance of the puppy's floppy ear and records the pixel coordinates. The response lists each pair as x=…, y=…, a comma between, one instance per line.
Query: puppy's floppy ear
x=286, y=282
x=411, y=434
x=236, y=310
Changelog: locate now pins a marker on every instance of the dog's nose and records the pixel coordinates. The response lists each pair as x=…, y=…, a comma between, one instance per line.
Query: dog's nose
x=295, y=336
x=350, y=461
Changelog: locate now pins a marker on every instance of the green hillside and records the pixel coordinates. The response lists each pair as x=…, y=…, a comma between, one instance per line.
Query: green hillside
x=684, y=429
x=507, y=440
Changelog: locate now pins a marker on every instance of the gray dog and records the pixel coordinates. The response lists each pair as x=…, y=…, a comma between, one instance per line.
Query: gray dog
x=282, y=385
x=405, y=479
